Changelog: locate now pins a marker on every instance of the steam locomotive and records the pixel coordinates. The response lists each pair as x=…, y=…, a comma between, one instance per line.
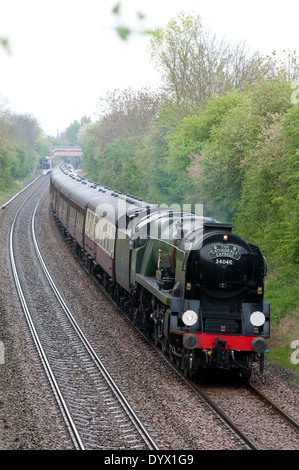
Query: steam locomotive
x=187, y=280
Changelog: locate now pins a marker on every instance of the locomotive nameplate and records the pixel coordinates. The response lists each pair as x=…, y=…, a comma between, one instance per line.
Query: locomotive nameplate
x=224, y=251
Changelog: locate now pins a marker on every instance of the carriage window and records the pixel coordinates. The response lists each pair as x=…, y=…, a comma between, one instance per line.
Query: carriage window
x=104, y=234
x=90, y=226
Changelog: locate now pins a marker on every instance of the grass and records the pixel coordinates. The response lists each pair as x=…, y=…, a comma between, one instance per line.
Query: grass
x=286, y=357
x=284, y=342
x=7, y=194
x=282, y=293
x=284, y=326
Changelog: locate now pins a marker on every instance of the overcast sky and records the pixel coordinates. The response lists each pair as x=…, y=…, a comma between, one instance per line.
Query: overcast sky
x=65, y=54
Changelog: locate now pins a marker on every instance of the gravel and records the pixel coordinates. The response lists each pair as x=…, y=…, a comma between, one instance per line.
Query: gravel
x=166, y=404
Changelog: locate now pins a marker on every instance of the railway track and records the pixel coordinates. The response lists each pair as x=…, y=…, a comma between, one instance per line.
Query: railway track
x=231, y=423
x=209, y=402
x=251, y=441
x=240, y=431
x=96, y=413
x=86, y=423
x=205, y=397
x=270, y=404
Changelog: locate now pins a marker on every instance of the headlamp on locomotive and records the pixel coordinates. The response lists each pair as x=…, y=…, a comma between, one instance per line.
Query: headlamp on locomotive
x=196, y=287
x=206, y=291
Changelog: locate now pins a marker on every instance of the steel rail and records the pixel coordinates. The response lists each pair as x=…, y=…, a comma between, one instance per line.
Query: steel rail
x=17, y=194
x=58, y=395
x=206, y=399
x=203, y=396
x=117, y=392
x=273, y=405
x=251, y=445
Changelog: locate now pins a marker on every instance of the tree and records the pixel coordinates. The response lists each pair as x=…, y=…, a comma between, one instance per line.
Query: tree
x=195, y=64
x=21, y=146
x=126, y=117
x=25, y=128
x=90, y=144
x=191, y=175
x=127, y=112
x=71, y=135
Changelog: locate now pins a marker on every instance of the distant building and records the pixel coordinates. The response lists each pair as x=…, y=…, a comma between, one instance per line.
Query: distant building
x=73, y=152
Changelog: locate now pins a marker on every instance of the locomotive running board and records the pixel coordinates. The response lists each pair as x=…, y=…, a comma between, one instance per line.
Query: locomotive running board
x=150, y=283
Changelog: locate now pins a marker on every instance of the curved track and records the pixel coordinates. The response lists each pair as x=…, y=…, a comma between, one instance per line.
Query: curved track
x=91, y=403
x=90, y=424
x=277, y=409
x=240, y=431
